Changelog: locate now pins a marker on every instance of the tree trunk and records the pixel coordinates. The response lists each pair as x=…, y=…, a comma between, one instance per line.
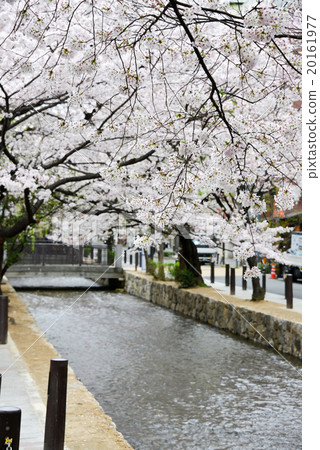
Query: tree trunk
x=161, y=274
x=258, y=293
x=188, y=258
x=146, y=255
x=1, y=259
x=152, y=252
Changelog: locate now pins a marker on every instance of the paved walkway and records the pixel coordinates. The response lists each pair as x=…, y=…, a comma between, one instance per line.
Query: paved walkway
x=247, y=294
x=19, y=390
x=221, y=287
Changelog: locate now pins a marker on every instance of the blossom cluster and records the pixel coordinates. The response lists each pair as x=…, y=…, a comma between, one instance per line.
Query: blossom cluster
x=253, y=272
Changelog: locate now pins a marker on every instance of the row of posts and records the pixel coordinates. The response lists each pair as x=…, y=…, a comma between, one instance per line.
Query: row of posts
x=230, y=280
x=10, y=416
x=54, y=433
x=230, y=277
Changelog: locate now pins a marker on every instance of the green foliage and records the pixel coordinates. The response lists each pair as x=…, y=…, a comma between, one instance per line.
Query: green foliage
x=151, y=267
x=14, y=247
x=265, y=268
x=168, y=253
x=185, y=277
x=156, y=269
x=174, y=269
x=110, y=256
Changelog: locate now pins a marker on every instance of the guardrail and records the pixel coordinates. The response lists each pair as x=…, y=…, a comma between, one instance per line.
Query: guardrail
x=47, y=253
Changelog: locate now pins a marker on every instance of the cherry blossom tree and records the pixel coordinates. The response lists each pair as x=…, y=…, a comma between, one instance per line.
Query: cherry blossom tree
x=50, y=149
x=162, y=110
x=226, y=90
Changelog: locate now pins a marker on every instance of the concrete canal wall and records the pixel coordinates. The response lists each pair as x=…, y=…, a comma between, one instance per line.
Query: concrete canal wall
x=263, y=322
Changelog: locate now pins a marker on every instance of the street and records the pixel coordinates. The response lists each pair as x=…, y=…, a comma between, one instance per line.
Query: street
x=273, y=286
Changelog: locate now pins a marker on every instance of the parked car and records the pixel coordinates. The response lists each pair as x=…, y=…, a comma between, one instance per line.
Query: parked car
x=206, y=254
x=294, y=256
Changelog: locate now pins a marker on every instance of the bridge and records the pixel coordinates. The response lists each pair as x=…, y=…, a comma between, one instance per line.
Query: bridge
x=44, y=261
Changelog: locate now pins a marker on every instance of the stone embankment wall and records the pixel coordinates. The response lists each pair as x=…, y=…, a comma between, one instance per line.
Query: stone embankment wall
x=285, y=335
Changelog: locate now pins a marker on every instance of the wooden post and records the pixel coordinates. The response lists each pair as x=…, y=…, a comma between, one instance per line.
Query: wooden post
x=264, y=283
x=289, y=293
x=212, y=272
x=227, y=274
x=10, y=423
x=4, y=300
x=233, y=281
x=56, y=405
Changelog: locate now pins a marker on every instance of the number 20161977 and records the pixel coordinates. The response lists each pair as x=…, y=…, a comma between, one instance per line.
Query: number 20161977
x=311, y=40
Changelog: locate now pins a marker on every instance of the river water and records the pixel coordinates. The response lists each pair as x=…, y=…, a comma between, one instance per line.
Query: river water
x=169, y=382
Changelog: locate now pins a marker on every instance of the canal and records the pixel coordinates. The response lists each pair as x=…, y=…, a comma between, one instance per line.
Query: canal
x=169, y=382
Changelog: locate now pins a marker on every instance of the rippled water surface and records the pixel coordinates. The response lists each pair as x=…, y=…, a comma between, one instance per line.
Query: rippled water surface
x=169, y=382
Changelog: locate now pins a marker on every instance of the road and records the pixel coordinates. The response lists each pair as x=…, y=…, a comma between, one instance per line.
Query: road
x=272, y=286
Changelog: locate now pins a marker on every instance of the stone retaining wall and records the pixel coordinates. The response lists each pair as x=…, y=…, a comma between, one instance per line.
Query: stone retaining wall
x=284, y=335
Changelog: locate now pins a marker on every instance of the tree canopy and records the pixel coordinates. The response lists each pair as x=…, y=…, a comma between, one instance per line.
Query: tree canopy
x=162, y=110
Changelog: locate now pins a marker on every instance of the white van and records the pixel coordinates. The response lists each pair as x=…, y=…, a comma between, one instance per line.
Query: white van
x=205, y=254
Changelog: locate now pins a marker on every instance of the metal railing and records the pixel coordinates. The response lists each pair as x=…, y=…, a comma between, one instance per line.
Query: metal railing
x=46, y=253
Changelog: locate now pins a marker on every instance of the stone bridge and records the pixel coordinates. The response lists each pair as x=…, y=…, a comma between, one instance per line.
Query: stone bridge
x=104, y=275
x=50, y=260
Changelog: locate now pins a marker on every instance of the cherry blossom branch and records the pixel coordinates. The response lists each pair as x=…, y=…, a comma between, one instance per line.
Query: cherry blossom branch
x=59, y=161
x=21, y=223
x=136, y=160
x=214, y=88
x=89, y=176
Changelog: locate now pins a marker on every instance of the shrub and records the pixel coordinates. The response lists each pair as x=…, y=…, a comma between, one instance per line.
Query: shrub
x=156, y=269
x=174, y=269
x=168, y=253
x=110, y=257
x=185, y=277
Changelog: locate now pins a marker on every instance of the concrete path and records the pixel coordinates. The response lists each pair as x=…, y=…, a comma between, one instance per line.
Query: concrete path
x=221, y=287
x=19, y=390
x=246, y=294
